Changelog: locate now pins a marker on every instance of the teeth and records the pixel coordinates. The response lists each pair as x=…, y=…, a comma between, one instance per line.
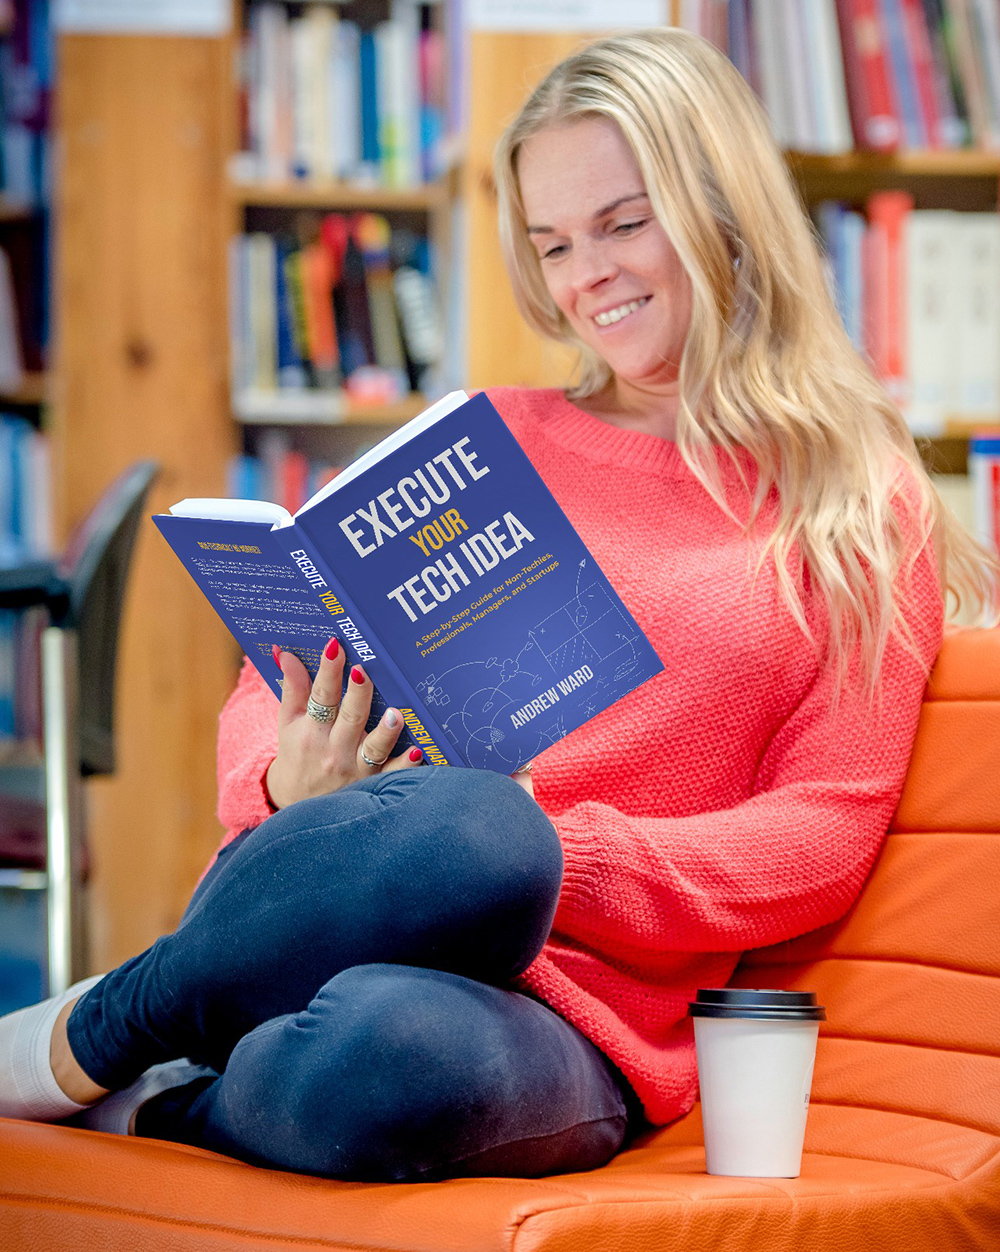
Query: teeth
x=616, y=315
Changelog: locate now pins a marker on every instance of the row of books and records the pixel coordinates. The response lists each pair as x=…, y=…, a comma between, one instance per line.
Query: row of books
x=25, y=92
x=278, y=472
x=349, y=305
x=326, y=98
x=877, y=74
x=24, y=536
x=919, y=294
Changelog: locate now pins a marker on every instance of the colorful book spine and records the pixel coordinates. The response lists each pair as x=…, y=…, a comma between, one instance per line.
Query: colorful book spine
x=984, y=470
x=874, y=113
x=921, y=58
x=885, y=289
x=901, y=73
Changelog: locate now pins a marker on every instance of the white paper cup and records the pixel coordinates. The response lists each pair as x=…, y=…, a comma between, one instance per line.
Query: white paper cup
x=755, y=1050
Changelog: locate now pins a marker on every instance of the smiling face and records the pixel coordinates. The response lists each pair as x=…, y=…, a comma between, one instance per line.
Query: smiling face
x=606, y=260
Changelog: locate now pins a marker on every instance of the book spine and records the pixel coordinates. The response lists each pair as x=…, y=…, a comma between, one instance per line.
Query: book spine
x=901, y=71
x=988, y=29
x=368, y=69
x=978, y=315
x=920, y=57
x=346, y=99
x=318, y=284
x=303, y=113
x=853, y=234
x=970, y=70
x=930, y=261
x=797, y=55
x=952, y=89
x=984, y=470
x=291, y=370
x=887, y=214
x=263, y=317
x=873, y=111
x=831, y=78
x=776, y=90
x=361, y=642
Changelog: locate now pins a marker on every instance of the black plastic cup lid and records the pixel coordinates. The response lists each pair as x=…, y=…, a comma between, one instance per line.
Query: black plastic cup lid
x=765, y=1005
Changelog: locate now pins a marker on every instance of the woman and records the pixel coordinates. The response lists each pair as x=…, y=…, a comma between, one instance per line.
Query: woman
x=394, y=971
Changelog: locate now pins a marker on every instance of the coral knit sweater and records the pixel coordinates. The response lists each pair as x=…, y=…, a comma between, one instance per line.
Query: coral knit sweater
x=723, y=805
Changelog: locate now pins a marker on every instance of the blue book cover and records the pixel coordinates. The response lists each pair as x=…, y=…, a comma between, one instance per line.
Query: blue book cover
x=902, y=76
x=370, y=151
x=291, y=369
x=446, y=568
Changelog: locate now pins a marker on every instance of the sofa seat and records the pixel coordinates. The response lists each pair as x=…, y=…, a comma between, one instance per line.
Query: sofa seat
x=903, y=1137
x=906, y=1182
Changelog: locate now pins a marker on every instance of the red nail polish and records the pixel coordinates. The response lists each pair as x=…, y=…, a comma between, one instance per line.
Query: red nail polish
x=356, y=675
x=276, y=653
x=332, y=648
x=415, y=754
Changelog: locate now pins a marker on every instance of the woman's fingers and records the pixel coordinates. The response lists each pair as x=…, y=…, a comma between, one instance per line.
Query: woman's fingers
x=294, y=686
x=406, y=760
x=378, y=743
x=329, y=681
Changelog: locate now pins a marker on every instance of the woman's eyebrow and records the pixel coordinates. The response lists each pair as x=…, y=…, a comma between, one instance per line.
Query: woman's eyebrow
x=608, y=208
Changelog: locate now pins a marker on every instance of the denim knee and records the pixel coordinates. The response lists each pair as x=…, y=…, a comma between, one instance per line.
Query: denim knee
x=455, y=852
x=396, y=1073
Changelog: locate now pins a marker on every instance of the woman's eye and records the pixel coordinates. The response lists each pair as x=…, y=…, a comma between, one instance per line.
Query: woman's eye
x=628, y=227
x=554, y=252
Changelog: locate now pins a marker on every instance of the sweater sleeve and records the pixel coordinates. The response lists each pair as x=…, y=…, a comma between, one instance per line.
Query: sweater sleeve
x=791, y=858
x=248, y=743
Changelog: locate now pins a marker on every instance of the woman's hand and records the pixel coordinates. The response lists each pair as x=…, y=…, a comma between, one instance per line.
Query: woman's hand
x=317, y=757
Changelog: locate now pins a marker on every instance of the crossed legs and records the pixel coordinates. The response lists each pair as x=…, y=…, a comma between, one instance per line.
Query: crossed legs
x=344, y=969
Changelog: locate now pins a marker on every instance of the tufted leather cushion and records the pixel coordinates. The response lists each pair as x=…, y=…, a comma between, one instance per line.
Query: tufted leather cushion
x=903, y=1140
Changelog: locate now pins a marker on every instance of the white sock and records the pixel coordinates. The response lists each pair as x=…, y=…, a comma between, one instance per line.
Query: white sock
x=114, y=1113
x=28, y=1088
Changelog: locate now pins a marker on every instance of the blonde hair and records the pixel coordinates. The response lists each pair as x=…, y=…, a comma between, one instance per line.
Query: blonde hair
x=767, y=365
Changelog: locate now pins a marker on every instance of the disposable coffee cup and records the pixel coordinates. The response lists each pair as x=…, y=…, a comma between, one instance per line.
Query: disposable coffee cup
x=756, y=1051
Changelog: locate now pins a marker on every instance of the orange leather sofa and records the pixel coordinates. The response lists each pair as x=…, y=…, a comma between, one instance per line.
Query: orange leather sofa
x=903, y=1140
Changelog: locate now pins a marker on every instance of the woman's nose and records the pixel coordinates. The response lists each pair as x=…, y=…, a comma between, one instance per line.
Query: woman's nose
x=592, y=266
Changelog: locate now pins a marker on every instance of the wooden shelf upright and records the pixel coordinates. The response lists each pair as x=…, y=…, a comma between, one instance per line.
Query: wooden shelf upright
x=141, y=220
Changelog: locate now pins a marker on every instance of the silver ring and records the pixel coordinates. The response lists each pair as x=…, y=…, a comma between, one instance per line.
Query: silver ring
x=368, y=761
x=321, y=712
x=525, y=769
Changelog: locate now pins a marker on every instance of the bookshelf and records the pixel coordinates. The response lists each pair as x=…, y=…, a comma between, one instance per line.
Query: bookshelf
x=147, y=201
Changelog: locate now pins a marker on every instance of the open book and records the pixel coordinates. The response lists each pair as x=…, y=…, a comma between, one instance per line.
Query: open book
x=444, y=566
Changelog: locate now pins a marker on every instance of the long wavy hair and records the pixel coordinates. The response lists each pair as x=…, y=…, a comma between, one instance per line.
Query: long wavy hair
x=767, y=365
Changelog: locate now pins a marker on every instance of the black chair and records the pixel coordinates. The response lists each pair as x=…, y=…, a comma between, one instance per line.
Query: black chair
x=83, y=596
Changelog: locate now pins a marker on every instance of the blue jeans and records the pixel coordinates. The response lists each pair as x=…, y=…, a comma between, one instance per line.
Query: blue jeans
x=345, y=970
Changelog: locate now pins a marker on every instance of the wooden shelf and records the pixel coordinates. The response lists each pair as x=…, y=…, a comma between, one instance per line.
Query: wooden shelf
x=14, y=210
x=963, y=179
x=34, y=389
x=320, y=408
x=331, y=195
x=956, y=163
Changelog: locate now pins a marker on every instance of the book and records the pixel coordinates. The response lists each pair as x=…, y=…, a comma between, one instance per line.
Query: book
x=984, y=471
x=925, y=80
x=829, y=76
x=445, y=567
x=874, y=114
x=885, y=290
x=930, y=261
x=901, y=73
x=976, y=277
